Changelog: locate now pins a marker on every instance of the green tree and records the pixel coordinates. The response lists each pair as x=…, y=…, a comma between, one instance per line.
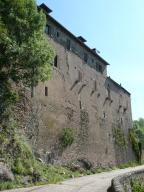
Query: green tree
x=25, y=54
x=25, y=59
x=137, y=137
x=138, y=126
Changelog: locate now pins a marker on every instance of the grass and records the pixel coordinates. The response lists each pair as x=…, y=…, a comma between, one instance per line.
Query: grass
x=128, y=164
x=137, y=186
x=46, y=174
x=27, y=170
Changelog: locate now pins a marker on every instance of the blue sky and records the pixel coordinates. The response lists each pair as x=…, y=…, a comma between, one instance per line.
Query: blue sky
x=116, y=29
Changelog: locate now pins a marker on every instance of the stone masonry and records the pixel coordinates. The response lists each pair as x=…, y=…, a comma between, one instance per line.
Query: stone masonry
x=80, y=96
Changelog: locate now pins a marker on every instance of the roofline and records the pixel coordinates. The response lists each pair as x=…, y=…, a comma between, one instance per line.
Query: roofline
x=119, y=85
x=79, y=41
x=73, y=36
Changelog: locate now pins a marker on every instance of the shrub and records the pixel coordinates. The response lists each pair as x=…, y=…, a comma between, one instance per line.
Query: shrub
x=135, y=143
x=67, y=137
x=119, y=136
x=137, y=186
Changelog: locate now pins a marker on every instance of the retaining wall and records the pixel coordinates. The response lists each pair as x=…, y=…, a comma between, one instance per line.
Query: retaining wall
x=123, y=183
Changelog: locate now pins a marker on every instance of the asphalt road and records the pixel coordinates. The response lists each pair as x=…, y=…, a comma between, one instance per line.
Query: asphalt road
x=93, y=183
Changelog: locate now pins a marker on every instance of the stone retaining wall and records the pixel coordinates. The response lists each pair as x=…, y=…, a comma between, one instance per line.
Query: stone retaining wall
x=123, y=183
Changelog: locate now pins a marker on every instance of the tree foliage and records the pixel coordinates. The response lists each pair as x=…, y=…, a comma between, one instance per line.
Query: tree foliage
x=137, y=137
x=25, y=54
x=138, y=126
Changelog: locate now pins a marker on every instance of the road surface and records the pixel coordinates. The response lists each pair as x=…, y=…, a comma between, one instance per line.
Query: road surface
x=92, y=183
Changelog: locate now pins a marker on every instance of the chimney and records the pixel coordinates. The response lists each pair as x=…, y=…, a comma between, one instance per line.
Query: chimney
x=45, y=8
x=81, y=39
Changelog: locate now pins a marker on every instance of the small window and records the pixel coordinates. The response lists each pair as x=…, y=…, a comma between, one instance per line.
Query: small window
x=32, y=91
x=46, y=91
x=55, y=61
x=48, y=30
x=79, y=76
x=99, y=68
x=68, y=44
x=92, y=60
x=58, y=34
x=80, y=104
x=108, y=91
x=85, y=57
x=95, y=85
x=104, y=115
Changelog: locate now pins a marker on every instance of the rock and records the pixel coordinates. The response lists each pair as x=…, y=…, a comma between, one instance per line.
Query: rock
x=27, y=180
x=84, y=163
x=80, y=165
x=5, y=173
x=36, y=177
x=40, y=160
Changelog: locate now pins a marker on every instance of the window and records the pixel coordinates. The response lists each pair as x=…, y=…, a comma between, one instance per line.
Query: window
x=80, y=104
x=104, y=115
x=95, y=85
x=85, y=57
x=79, y=76
x=46, y=91
x=32, y=91
x=48, y=29
x=108, y=92
x=92, y=60
x=68, y=44
x=55, y=61
x=99, y=68
x=58, y=34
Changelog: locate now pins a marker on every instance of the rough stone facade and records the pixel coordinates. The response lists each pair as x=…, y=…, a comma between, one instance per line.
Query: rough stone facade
x=80, y=96
x=123, y=183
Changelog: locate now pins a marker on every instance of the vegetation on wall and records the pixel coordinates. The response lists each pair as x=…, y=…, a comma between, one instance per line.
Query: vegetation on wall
x=137, y=137
x=138, y=127
x=67, y=137
x=25, y=55
x=25, y=60
x=135, y=142
x=119, y=137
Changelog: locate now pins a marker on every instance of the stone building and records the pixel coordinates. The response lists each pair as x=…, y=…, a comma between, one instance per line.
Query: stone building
x=82, y=98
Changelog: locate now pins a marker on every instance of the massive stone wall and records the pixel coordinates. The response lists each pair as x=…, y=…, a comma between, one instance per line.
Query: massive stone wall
x=94, y=106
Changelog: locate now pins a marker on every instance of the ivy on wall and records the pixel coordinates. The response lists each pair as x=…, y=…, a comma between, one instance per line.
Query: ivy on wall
x=135, y=143
x=67, y=137
x=119, y=137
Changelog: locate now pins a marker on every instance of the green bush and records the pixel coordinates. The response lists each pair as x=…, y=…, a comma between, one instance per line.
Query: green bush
x=137, y=186
x=67, y=137
x=135, y=143
x=119, y=136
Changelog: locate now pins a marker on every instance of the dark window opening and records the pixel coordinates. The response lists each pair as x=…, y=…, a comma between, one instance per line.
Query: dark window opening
x=56, y=61
x=80, y=104
x=104, y=115
x=95, y=85
x=46, y=91
x=121, y=121
x=85, y=57
x=79, y=76
x=58, y=34
x=68, y=44
x=32, y=91
x=108, y=91
x=48, y=29
x=99, y=68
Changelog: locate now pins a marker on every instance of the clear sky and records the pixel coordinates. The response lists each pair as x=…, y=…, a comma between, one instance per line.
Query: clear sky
x=116, y=29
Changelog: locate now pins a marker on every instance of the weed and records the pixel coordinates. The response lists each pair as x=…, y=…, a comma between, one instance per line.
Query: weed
x=67, y=137
x=119, y=136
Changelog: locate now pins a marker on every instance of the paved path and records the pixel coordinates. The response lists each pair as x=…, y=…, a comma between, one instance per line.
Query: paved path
x=93, y=183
